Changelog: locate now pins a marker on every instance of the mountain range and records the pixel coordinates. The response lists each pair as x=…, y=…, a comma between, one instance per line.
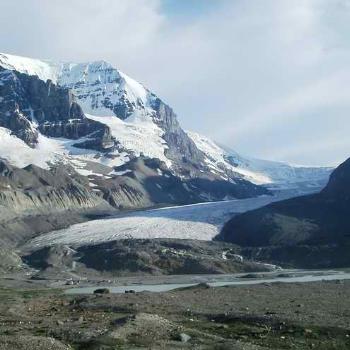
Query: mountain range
x=114, y=145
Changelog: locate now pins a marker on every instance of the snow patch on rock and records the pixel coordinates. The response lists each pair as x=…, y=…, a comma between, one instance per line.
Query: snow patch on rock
x=139, y=135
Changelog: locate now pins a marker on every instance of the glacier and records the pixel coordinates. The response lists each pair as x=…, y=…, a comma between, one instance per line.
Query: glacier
x=202, y=221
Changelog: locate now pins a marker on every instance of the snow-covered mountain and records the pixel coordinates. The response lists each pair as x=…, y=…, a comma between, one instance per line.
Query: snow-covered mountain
x=112, y=129
x=144, y=123
x=274, y=175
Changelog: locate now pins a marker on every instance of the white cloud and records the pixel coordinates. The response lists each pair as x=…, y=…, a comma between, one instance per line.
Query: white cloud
x=253, y=74
x=81, y=29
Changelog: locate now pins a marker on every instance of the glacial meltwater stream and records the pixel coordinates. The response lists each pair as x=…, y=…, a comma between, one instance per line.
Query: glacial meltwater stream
x=283, y=276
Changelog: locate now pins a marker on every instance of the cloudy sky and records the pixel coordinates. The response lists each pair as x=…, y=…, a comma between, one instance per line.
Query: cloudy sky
x=269, y=78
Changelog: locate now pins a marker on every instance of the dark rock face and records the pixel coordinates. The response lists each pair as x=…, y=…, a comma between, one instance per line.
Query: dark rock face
x=27, y=100
x=12, y=104
x=302, y=256
x=338, y=186
x=181, y=148
x=318, y=220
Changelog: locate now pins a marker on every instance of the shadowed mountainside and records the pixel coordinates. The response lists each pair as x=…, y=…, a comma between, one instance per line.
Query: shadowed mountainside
x=285, y=228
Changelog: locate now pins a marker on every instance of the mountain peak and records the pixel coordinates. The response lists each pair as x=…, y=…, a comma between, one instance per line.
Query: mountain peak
x=101, y=88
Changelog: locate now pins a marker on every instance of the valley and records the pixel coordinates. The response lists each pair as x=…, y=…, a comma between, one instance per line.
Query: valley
x=169, y=240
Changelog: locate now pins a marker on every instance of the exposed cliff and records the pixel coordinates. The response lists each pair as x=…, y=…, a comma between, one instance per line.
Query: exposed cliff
x=30, y=105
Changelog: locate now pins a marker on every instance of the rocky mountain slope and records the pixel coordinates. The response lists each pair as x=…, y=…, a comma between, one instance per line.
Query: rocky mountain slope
x=307, y=231
x=34, y=200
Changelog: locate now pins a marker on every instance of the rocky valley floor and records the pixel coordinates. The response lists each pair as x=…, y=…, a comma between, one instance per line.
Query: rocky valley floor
x=267, y=316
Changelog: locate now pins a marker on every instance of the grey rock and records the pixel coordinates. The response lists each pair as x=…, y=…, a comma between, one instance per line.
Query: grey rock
x=184, y=338
x=32, y=193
